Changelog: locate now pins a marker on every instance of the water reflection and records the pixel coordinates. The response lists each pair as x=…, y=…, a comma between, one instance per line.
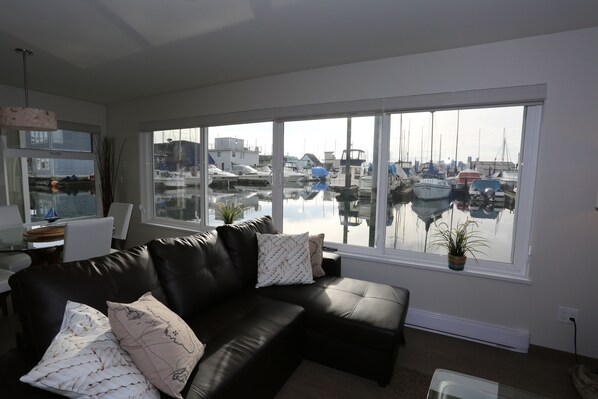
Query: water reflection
x=67, y=202
x=313, y=207
x=352, y=220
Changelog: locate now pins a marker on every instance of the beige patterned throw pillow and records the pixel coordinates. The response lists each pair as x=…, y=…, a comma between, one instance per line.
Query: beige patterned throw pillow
x=162, y=345
x=316, y=242
x=283, y=259
x=84, y=360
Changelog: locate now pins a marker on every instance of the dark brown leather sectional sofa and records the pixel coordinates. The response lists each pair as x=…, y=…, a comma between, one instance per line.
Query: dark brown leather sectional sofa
x=255, y=338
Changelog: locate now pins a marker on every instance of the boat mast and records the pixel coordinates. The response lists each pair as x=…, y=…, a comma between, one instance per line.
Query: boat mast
x=432, y=142
x=408, y=139
x=348, y=156
x=440, y=150
x=401, y=140
x=457, y=141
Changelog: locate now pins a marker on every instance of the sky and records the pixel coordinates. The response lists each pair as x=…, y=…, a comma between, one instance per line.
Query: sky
x=479, y=133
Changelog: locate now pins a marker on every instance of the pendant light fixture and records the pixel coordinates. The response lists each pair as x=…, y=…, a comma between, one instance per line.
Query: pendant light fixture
x=25, y=118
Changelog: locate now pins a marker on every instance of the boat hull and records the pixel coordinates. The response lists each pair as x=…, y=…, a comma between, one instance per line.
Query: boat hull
x=431, y=189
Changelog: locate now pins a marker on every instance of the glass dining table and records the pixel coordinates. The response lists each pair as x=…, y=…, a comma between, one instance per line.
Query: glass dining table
x=21, y=237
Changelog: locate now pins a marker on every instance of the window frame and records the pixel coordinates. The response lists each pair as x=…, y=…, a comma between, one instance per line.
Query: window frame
x=531, y=97
x=24, y=153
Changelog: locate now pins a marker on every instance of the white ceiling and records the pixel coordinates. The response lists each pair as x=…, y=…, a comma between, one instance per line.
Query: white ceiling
x=112, y=50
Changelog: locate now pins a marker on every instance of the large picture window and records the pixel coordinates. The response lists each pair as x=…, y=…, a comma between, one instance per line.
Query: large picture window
x=375, y=181
x=458, y=165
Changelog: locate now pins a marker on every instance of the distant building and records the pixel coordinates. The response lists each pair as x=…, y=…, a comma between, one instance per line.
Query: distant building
x=310, y=160
x=489, y=168
x=229, y=150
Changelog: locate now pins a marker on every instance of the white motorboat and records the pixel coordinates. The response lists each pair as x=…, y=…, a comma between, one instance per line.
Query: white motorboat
x=508, y=179
x=220, y=176
x=248, y=175
x=169, y=179
x=431, y=189
x=357, y=168
x=290, y=175
x=397, y=179
x=194, y=179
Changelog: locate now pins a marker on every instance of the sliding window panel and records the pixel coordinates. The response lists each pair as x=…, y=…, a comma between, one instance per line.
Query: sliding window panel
x=453, y=166
x=330, y=179
x=177, y=174
x=239, y=172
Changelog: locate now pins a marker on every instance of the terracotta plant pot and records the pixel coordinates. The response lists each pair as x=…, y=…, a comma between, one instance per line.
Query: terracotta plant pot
x=456, y=262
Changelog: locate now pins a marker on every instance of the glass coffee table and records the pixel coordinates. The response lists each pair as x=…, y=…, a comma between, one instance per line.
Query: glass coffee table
x=448, y=384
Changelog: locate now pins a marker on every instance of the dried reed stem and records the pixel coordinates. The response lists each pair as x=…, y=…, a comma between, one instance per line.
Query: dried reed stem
x=108, y=166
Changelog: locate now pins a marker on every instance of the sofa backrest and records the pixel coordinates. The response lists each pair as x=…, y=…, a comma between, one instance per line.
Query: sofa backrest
x=40, y=292
x=241, y=242
x=195, y=271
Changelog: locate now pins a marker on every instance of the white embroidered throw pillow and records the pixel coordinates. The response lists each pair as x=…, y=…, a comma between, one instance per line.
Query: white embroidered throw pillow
x=162, y=345
x=283, y=259
x=84, y=360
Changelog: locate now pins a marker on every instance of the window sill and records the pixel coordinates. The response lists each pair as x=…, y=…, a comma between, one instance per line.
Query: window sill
x=187, y=227
x=438, y=266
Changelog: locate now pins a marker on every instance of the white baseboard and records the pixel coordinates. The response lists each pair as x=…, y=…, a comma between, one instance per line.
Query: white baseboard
x=508, y=338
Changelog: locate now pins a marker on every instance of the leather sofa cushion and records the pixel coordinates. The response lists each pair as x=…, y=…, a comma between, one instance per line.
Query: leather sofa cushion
x=360, y=312
x=40, y=292
x=195, y=271
x=241, y=242
x=247, y=337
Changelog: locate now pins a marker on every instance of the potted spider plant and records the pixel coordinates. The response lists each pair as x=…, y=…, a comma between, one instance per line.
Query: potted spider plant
x=459, y=241
x=229, y=211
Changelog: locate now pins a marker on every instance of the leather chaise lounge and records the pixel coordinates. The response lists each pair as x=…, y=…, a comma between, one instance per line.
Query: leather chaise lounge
x=255, y=338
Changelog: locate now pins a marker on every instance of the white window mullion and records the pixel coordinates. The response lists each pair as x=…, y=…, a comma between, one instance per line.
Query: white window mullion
x=525, y=196
x=277, y=173
x=146, y=168
x=203, y=161
x=381, y=199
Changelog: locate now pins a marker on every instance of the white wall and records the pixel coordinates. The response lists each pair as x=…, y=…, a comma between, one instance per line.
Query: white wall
x=564, y=265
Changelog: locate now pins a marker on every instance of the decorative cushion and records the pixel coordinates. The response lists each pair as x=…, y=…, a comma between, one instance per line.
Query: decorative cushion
x=85, y=361
x=161, y=344
x=283, y=259
x=316, y=243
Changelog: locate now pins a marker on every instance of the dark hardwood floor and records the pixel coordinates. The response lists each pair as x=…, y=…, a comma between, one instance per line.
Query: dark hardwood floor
x=541, y=370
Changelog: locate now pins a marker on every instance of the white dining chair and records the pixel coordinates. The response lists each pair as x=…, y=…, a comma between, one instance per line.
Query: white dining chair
x=121, y=212
x=11, y=223
x=88, y=238
x=4, y=289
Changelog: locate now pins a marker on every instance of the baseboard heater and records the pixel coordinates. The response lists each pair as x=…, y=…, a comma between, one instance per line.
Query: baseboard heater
x=508, y=338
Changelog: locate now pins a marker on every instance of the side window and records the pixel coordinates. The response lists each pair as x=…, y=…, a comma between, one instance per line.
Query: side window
x=50, y=170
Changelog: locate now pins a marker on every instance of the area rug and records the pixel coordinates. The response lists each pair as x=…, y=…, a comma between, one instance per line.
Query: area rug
x=410, y=384
x=314, y=381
